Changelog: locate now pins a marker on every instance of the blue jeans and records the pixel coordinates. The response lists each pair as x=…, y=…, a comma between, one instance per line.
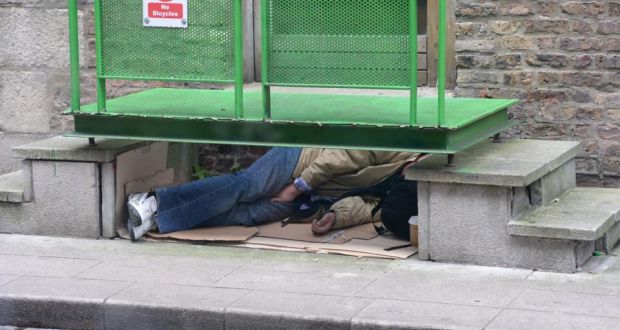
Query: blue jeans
x=242, y=198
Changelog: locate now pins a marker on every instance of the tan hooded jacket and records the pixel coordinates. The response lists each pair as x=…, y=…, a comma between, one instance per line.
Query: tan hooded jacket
x=332, y=172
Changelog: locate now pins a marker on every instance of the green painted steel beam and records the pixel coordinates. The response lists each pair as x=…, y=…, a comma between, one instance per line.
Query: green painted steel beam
x=243, y=132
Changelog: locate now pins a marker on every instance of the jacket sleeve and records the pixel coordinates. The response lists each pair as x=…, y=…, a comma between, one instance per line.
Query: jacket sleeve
x=353, y=211
x=334, y=162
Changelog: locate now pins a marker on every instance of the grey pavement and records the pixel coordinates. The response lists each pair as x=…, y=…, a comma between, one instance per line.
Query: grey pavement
x=65, y=283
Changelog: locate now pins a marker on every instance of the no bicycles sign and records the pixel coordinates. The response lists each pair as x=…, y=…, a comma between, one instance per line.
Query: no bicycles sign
x=164, y=13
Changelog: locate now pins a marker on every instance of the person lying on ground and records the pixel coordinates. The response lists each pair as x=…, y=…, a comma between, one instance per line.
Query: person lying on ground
x=266, y=191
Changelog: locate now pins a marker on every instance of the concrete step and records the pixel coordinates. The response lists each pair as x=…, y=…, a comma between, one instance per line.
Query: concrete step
x=12, y=188
x=583, y=214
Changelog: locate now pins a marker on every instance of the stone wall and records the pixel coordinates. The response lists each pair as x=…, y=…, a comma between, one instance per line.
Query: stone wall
x=562, y=59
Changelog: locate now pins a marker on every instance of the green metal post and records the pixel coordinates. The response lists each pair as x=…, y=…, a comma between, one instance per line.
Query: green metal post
x=413, y=52
x=101, y=91
x=441, y=65
x=266, y=91
x=238, y=49
x=74, y=55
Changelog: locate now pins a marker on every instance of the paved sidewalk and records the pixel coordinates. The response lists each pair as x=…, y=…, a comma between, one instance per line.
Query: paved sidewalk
x=74, y=283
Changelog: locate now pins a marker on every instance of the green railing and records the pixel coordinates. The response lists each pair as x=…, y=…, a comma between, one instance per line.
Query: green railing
x=204, y=56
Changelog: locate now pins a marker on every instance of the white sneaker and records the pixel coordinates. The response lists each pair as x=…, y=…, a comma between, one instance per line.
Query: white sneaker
x=140, y=207
x=135, y=233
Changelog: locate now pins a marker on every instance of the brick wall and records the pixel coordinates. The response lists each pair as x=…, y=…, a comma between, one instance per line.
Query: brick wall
x=562, y=59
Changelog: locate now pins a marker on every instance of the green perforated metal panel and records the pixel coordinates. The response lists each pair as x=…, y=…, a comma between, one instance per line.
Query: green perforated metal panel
x=338, y=42
x=203, y=51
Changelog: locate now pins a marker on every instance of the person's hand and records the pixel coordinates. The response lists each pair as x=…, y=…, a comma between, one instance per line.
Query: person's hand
x=287, y=195
x=325, y=224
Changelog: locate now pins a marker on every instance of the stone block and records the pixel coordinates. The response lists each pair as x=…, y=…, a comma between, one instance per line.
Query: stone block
x=293, y=311
x=10, y=140
x=59, y=303
x=108, y=199
x=63, y=148
x=559, y=181
x=66, y=202
x=12, y=187
x=31, y=38
x=612, y=237
x=171, y=307
x=584, y=214
x=510, y=163
x=418, y=315
x=468, y=224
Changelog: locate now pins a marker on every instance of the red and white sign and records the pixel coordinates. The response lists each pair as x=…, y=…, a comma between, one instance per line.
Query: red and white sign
x=165, y=13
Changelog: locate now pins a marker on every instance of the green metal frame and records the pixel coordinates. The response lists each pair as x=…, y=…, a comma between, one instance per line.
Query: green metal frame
x=424, y=126
x=101, y=77
x=413, y=52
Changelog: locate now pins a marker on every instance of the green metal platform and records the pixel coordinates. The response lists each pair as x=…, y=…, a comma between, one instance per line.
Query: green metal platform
x=326, y=120
x=368, y=44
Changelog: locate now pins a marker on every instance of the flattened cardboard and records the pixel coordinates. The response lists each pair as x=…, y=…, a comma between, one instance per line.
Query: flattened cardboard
x=356, y=247
x=135, y=164
x=214, y=234
x=303, y=232
x=159, y=179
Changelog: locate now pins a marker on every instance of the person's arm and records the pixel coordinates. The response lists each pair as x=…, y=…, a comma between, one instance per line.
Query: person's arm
x=347, y=212
x=332, y=163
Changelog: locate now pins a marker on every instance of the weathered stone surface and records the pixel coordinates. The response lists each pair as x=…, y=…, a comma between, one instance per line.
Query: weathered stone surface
x=172, y=307
x=25, y=44
x=7, y=142
x=76, y=149
x=293, y=311
x=581, y=214
x=12, y=187
x=417, y=315
x=55, y=187
x=480, y=235
x=510, y=163
x=514, y=319
x=58, y=303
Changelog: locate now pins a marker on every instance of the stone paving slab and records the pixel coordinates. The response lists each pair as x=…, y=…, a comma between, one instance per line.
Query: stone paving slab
x=63, y=303
x=512, y=319
x=162, y=306
x=461, y=289
x=293, y=311
x=278, y=290
x=569, y=302
x=43, y=266
x=395, y=314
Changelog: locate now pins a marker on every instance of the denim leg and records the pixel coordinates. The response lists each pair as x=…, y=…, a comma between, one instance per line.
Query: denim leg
x=252, y=214
x=195, y=203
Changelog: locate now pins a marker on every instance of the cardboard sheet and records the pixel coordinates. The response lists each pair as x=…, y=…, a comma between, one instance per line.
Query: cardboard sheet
x=135, y=164
x=303, y=232
x=215, y=234
x=157, y=180
x=375, y=247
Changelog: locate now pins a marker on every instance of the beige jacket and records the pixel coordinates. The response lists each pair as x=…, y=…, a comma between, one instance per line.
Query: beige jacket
x=332, y=172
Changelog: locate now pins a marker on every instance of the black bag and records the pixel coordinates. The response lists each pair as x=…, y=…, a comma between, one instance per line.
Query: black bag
x=398, y=202
x=398, y=205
